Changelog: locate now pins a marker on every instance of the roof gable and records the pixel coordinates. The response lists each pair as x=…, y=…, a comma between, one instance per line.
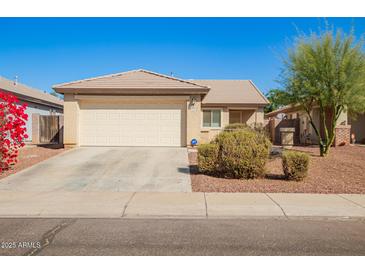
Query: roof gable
x=135, y=79
x=232, y=92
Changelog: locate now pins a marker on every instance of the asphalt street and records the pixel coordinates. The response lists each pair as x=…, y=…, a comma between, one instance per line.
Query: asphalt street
x=182, y=236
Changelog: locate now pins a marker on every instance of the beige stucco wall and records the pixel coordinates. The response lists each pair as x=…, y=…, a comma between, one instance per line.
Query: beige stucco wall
x=251, y=116
x=305, y=124
x=192, y=125
x=193, y=120
x=208, y=134
x=342, y=119
x=259, y=116
x=71, y=110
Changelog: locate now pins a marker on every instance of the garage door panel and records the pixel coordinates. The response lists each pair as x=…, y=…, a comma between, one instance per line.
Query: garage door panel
x=114, y=116
x=128, y=126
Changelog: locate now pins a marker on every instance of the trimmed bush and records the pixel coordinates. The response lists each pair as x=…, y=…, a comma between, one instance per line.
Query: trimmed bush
x=242, y=154
x=295, y=165
x=236, y=126
x=260, y=128
x=207, y=158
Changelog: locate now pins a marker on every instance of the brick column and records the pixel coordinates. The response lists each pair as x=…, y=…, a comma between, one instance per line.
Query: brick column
x=35, y=128
x=342, y=135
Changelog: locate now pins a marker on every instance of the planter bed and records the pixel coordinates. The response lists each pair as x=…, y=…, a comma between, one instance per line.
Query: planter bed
x=342, y=171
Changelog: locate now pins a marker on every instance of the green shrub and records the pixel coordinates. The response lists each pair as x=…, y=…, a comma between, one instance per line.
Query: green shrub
x=242, y=153
x=295, y=165
x=260, y=128
x=207, y=158
x=236, y=126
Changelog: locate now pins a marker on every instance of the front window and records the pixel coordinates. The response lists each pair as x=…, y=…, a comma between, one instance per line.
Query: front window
x=235, y=117
x=212, y=118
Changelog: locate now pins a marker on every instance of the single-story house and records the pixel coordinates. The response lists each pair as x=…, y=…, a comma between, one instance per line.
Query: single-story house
x=143, y=108
x=306, y=134
x=38, y=101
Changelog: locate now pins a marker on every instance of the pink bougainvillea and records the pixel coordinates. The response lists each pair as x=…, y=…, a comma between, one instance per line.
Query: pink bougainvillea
x=12, y=129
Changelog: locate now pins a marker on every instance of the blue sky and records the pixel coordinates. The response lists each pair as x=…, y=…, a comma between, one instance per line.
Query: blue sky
x=47, y=51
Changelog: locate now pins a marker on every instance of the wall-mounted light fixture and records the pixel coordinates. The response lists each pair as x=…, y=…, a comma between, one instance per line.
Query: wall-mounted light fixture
x=192, y=101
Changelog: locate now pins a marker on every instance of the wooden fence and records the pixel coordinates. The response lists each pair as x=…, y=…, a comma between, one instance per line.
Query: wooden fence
x=275, y=125
x=47, y=129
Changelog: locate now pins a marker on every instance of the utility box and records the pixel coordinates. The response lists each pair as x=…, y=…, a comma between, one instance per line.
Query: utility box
x=287, y=136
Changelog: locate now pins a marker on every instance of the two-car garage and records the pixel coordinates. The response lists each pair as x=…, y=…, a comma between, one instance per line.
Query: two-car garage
x=134, y=108
x=121, y=124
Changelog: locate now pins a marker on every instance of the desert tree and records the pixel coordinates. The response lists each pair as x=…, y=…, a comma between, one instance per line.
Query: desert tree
x=277, y=98
x=326, y=70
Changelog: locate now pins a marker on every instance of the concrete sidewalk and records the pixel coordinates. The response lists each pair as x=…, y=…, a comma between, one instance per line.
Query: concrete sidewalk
x=178, y=205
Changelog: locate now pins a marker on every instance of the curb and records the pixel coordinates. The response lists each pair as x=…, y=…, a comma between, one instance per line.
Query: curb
x=314, y=218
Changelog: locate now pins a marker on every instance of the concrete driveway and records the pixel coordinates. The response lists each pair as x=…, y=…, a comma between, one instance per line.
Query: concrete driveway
x=115, y=169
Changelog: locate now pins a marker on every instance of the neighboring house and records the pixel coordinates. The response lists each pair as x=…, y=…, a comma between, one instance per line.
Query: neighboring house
x=37, y=101
x=143, y=108
x=306, y=131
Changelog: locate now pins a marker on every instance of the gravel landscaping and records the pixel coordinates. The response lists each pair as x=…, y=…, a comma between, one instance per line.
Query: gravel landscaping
x=31, y=155
x=342, y=171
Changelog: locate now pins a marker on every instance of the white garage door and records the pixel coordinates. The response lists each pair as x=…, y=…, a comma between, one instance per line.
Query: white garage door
x=130, y=125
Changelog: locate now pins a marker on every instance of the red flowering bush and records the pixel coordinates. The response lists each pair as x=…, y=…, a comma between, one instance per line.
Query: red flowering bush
x=12, y=129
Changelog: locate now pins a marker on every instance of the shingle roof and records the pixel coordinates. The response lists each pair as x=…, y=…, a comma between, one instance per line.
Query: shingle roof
x=23, y=90
x=135, y=79
x=232, y=92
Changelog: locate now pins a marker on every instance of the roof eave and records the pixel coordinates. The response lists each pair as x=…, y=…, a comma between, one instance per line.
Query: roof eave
x=285, y=109
x=131, y=91
x=23, y=97
x=216, y=104
x=67, y=84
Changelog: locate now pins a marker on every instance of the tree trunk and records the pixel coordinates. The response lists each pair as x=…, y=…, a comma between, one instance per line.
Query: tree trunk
x=326, y=139
x=322, y=149
x=330, y=140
